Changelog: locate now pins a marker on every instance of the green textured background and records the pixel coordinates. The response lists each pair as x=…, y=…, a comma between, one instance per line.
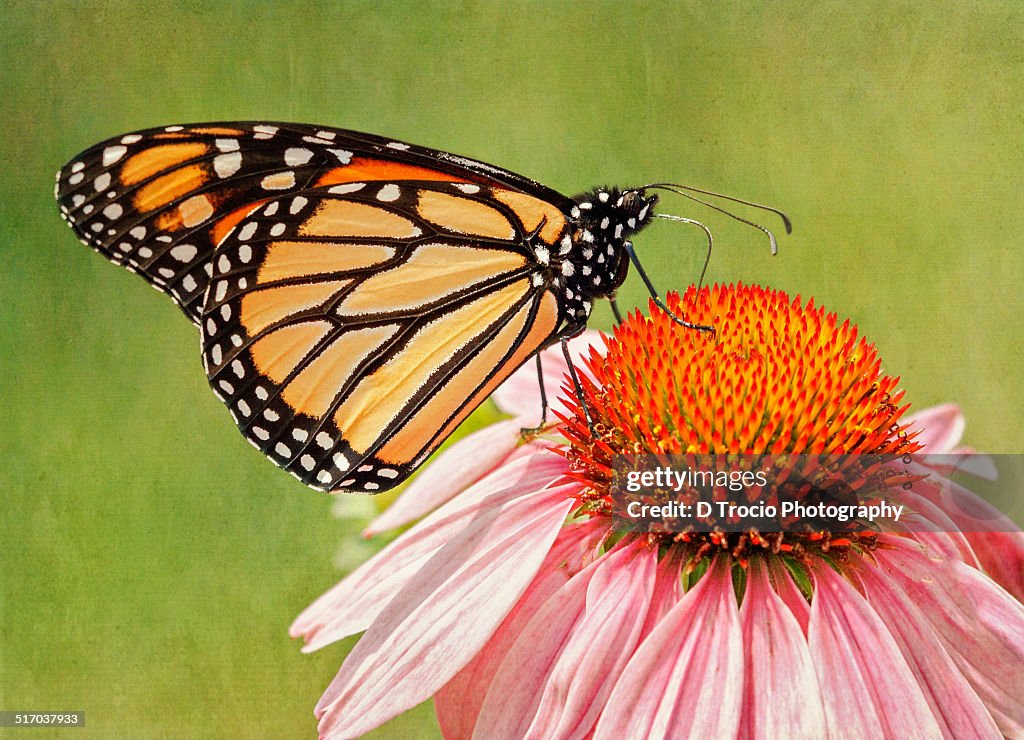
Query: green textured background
x=152, y=561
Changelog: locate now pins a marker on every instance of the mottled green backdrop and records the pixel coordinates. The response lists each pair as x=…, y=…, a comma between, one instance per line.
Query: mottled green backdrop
x=152, y=561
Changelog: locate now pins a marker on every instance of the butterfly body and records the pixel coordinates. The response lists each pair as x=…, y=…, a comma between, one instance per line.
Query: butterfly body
x=357, y=297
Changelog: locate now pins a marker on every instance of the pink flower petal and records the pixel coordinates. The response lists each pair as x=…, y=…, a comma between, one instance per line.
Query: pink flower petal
x=781, y=696
x=867, y=687
x=443, y=616
x=520, y=394
x=353, y=604
x=453, y=470
x=941, y=427
x=954, y=704
x=582, y=677
x=790, y=593
x=1001, y=555
x=668, y=590
x=513, y=700
x=458, y=703
x=979, y=624
x=686, y=678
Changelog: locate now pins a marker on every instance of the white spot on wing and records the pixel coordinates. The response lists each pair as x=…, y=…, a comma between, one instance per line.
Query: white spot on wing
x=348, y=187
x=297, y=156
x=264, y=132
x=389, y=192
x=113, y=153
x=247, y=231
x=184, y=252
x=225, y=165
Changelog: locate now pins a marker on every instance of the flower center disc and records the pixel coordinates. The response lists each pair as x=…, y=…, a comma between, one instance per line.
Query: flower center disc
x=776, y=377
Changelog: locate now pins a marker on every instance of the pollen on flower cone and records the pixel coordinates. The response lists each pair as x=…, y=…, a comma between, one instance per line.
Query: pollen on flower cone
x=775, y=377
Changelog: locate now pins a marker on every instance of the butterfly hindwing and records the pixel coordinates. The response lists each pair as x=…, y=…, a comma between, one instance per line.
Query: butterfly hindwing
x=350, y=328
x=159, y=201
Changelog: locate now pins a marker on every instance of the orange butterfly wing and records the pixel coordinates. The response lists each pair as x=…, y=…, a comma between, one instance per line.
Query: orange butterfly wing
x=351, y=328
x=357, y=296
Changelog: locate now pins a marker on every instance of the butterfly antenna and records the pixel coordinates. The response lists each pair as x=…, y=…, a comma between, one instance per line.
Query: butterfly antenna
x=707, y=233
x=687, y=192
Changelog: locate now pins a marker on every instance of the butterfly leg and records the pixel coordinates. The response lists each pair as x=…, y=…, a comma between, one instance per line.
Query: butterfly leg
x=528, y=432
x=656, y=298
x=568, y=333
x=615, y=310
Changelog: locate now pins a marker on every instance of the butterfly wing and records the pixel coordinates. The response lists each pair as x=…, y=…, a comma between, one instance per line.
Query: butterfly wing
x=159, y=201
x=350, y=328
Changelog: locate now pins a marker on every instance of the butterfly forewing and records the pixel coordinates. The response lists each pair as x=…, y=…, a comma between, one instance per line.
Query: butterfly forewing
x=159, y=201
x=349, y=328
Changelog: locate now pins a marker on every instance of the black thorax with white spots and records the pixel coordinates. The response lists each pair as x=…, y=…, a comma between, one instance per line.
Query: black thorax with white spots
x=593, y=255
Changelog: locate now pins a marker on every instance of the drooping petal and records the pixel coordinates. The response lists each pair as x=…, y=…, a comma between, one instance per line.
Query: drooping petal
x=452, y=471
x=941, y=427
x=442, y=617
x=954, y=704
x=354, y=603
x=1001, y=555
x=781, y=697
x=582, y=676
x=458, y=703
x=686, y=678
x=516, y=690
x=979, y=624
x=867, y=688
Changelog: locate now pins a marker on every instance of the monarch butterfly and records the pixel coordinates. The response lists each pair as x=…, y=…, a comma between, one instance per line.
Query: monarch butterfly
x=357, y=296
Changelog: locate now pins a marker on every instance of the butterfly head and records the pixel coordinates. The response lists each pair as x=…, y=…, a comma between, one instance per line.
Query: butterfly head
x=620, y=213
